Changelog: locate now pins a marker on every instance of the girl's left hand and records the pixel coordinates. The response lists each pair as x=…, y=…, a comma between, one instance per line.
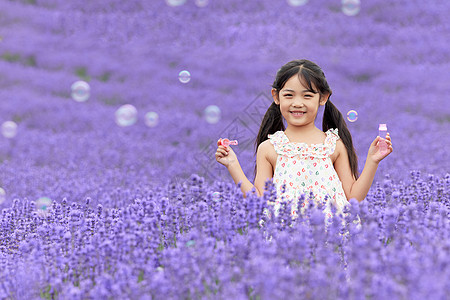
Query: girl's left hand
x=374, y=150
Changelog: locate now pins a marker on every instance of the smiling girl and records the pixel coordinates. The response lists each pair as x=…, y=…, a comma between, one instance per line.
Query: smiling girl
x=302, y=158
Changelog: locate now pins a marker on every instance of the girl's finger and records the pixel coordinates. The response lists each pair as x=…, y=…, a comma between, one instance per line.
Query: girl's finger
x=375, y=141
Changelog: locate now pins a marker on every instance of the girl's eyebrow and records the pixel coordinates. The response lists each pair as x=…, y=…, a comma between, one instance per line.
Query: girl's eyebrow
x=304, y=91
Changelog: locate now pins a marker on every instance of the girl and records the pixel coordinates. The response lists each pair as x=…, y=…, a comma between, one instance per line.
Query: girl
x=302, y=158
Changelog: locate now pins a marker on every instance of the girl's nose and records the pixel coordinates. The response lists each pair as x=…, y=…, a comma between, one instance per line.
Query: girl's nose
x=298, y=103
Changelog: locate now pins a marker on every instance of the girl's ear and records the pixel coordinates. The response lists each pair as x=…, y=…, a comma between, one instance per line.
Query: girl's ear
x=324, y=99
x=275, y=96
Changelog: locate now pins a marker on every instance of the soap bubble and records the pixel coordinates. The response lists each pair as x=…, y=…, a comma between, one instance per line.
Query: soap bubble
x=126, y=115
x=184, y=76
x=9, y=129
x=42, y=205
x=2, y=195
x=216, y=196
x=201, y=3
x=297, y=2
x=151, y=119
x=212, y=114
x=352, y=115
x=351, y=7
x=175, y=2
x=80, y=91
x=190, y=243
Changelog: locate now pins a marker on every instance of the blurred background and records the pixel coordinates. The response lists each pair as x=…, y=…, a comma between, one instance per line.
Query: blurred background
x=102, y=98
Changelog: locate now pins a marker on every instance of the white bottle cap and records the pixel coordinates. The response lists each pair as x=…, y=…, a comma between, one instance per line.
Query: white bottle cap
x=382, y=127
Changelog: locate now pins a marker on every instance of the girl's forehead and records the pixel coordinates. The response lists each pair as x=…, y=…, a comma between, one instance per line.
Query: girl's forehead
x=298, y=83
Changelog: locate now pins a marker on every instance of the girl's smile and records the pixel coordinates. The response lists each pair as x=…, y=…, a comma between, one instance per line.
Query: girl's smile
x=298, y=113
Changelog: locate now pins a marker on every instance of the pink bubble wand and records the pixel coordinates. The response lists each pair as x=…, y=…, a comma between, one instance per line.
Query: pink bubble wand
x=227, y=142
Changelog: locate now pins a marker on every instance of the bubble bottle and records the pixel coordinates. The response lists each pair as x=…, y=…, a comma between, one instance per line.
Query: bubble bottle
x=382, y=132
x=227, y=142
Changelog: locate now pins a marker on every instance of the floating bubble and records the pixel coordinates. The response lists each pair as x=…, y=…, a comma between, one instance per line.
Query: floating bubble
x=351, y=7
x=9, y=129
x=2, y=195
x=352, y=115
x=151, y=119
x=216, y=196
x=126, y=115
x=201, y=3
x=174, y=3
x=184, y=76
x=297, y=2
x=42, y=205
x=80, y=91
x=212, y=114
x=190, y=243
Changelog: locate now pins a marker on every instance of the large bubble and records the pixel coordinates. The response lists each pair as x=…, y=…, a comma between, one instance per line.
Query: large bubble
x=9, y=129
x=42, y=205
x=80, y=91
x=184, y=76
x=352, y=115
x=212, y=114
x=297, y=2
x=126, y=115
x=351, y=7
x=174, y=3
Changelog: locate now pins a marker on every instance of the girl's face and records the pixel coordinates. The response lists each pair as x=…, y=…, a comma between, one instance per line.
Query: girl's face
x=298, y=105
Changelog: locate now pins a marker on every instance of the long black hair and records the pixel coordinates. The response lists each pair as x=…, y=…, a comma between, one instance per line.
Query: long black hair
x=309, y=73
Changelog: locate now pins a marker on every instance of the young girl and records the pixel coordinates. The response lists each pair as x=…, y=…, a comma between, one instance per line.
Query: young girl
x=302, y=158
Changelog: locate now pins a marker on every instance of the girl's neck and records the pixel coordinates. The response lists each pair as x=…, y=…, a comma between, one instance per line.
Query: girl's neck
x=303, y=134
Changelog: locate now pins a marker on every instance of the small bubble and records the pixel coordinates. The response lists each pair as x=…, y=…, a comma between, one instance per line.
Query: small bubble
x=151, y=119
x=351, y=7
x=42, y=205
x=80, y=91
x=297, y=2
x=2, y=195
x=352, y=115
x=159, y=269
x=174, y=3
x=216, y=196
x=126, y=115
x=201, y=3
x=184, y=76
x=190, y=243
x=212, y=114
x=9, y=129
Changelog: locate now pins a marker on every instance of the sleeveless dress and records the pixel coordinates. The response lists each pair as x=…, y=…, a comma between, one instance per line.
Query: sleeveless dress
x=306, y=168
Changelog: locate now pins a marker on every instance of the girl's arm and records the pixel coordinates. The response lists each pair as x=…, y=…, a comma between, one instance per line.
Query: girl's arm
x=358, y=189
x=263, y=168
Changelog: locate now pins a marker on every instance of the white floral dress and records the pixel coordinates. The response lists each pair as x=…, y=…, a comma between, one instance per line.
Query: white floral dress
x=304, y=168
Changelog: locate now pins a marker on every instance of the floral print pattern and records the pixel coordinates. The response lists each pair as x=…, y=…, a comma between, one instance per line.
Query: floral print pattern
x=306, y=168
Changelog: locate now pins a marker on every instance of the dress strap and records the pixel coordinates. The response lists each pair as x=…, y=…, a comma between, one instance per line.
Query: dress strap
x=277, y=139
x=331, y=139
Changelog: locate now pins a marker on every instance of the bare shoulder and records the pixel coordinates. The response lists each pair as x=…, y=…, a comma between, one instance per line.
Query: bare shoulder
x=340, y=149
x=268, y=151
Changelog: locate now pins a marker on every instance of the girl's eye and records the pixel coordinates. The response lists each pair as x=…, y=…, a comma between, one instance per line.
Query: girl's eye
x=287, y=95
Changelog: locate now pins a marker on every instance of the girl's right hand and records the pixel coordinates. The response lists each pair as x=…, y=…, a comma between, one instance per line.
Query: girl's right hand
x=225, y=155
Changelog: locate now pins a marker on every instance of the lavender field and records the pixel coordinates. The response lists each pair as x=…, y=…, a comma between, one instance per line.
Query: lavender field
x=105, y=201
